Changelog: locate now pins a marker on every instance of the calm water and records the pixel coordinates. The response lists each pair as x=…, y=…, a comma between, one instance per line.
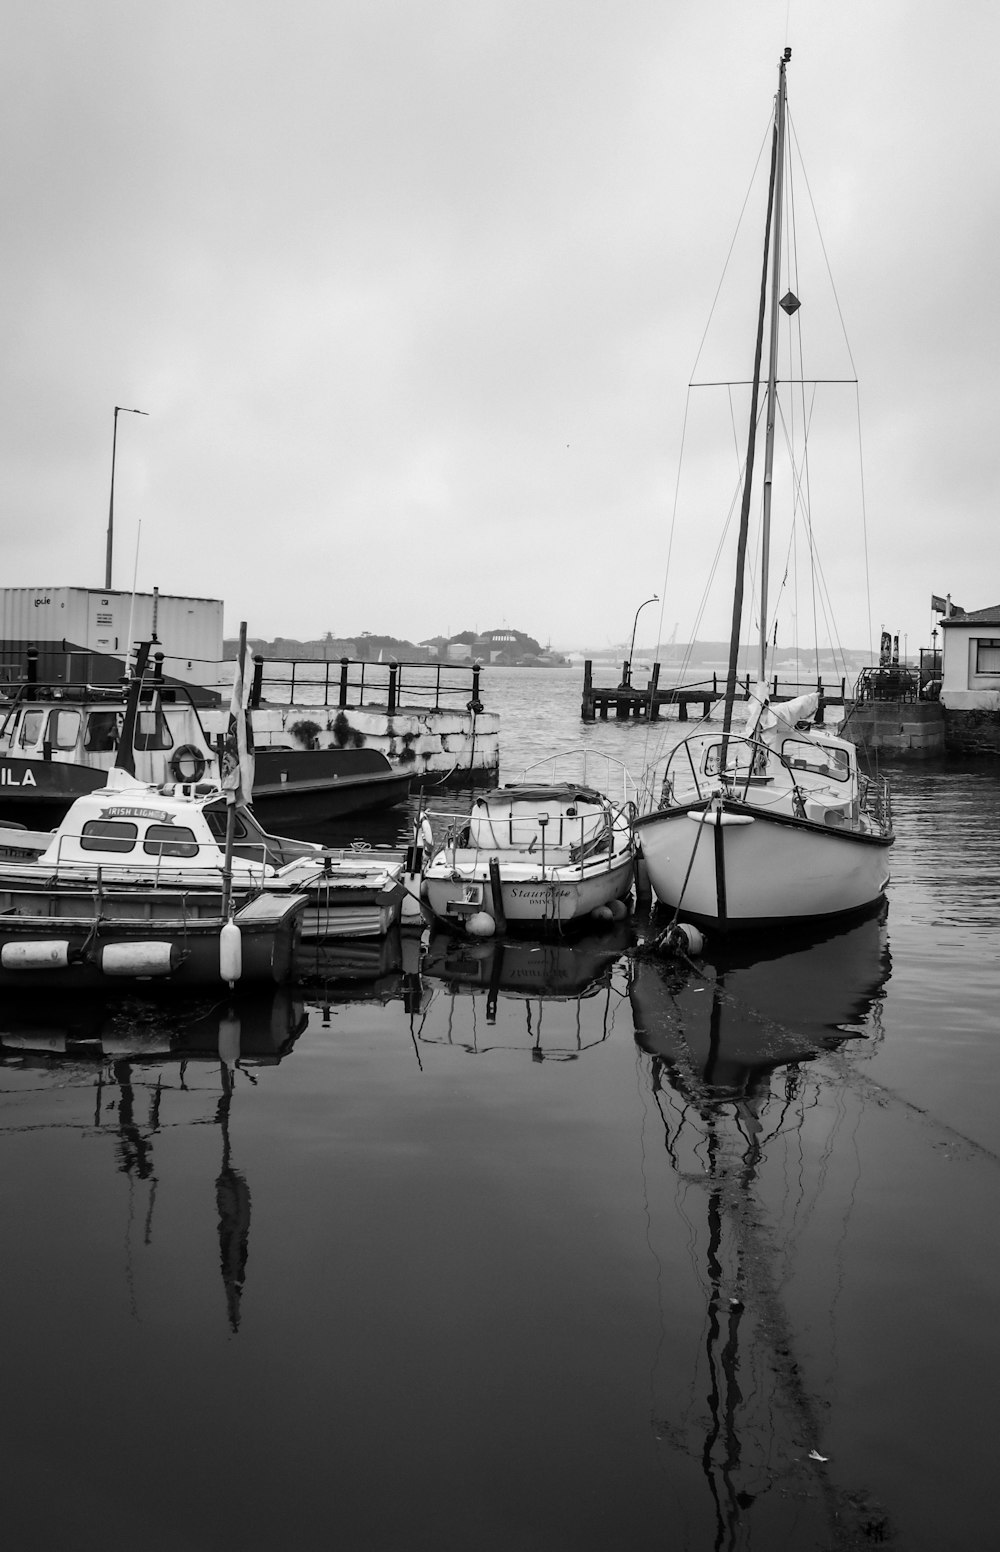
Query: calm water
x=523, y=1247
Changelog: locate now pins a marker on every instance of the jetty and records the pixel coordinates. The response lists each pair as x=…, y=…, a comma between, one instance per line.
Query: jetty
x=625, y=700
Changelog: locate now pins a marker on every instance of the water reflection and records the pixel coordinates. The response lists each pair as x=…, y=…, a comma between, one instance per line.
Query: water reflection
x=730, y=1047
x=138, y=1055
x=497, y=991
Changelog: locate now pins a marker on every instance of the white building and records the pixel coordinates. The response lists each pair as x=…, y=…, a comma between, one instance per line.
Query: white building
x=970, y=659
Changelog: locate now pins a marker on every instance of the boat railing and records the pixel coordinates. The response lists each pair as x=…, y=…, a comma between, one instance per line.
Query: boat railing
x=673, y=777
x=552, y=838
x=751, y=763
x=590, y=768
x=875, y=801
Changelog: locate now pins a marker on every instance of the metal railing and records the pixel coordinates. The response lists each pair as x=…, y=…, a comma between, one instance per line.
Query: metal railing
x=348, y=683
x=342, y=683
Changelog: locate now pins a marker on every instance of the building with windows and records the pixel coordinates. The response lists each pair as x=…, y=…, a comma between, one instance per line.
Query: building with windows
x=970, y=666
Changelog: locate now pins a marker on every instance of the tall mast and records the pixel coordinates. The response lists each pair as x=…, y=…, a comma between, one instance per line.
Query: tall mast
x=741, y=546
x=772, y=363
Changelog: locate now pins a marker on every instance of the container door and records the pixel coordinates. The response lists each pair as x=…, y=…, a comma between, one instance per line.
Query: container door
x=105, y=633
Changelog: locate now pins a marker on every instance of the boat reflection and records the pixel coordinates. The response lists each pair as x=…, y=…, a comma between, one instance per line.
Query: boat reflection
x=767, y=1003
x=245, y=1027
x=731, y=1046
x=498, y=992
x=139, y=1057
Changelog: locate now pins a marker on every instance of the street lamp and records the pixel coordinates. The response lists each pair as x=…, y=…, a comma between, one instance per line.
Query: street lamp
x=628, y=666
x=119, y=408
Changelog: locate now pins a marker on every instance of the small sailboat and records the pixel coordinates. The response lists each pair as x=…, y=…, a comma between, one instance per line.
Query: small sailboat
x=774, y=822
x=545, y=853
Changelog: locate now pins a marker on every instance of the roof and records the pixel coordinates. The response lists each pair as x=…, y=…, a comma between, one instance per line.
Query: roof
x=990, y=616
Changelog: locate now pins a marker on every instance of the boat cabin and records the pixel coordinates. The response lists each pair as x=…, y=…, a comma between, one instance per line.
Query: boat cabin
x=522, y=818
x=177, y=829
x=85, y=729
x=790, y=767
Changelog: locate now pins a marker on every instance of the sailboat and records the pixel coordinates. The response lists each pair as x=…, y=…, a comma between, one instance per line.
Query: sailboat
x=774, y=823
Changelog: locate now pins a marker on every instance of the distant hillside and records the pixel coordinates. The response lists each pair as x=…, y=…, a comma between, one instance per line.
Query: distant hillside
x=702, y=658
x=504, y=647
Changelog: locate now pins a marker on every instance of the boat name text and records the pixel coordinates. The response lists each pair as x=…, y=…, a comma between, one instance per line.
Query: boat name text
x=9, y=779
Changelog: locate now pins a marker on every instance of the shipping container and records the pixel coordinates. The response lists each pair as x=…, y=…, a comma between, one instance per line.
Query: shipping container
x=84, y=634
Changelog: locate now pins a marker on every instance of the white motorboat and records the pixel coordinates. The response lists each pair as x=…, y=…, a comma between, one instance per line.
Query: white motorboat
x=142, y=881
x=774, y=822
x=545, y=853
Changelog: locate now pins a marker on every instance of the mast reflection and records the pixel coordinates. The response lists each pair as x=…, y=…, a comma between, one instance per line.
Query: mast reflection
x=729, y=1045
x=137, y=1053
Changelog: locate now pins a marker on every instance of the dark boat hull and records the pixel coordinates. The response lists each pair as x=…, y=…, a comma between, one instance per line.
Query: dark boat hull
x=292, y=787
x=136, y=940
x=306, y=787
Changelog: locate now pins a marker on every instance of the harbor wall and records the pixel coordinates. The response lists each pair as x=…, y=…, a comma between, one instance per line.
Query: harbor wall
x=435, y=746
x=905, y=730
x=972, y=732
x=922, y=730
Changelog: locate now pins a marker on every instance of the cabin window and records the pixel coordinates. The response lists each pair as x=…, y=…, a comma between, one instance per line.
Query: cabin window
x=151, y=731
x=63, y=729
x=249, y=840
x=31, y=729
x=821, y=759
x=217, y=824
x=987, y=656
x=739, y=758
x=108, y=835
x=170, y=841
x=103, y=728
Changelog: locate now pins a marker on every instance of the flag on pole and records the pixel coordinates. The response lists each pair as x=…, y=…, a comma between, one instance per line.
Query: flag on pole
x=237, y=747
x=939, y=605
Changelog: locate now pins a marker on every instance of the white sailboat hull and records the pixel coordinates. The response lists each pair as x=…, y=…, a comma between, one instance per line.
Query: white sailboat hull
x=731, y=867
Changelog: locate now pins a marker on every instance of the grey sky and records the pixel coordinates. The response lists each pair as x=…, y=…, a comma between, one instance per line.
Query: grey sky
x=412, y=293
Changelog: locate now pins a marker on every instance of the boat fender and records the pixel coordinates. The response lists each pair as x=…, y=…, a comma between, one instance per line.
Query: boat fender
x=187, y=763
x=230, y=953
x=480, y=925
x=230, y=1031
x=35, y=956
x=602, y=913
x=137, y=959
x=682, y=938
x=618, y=909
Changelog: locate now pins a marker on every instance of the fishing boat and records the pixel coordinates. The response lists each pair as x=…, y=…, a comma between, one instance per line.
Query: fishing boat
x=773, y=822
x=544, y=853
x=58, y=741
x=142, y=881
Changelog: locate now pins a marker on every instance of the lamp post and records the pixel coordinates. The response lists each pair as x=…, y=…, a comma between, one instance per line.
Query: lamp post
x=628, y=667
x=119, y=409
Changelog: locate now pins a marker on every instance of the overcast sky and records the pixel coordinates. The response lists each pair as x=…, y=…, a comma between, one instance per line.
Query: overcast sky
x=412, y=290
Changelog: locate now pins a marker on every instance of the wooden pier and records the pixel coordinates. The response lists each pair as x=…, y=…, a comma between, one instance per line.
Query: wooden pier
x=625, y=700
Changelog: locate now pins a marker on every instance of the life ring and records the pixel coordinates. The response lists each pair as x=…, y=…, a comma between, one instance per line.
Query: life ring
x=187, y=754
